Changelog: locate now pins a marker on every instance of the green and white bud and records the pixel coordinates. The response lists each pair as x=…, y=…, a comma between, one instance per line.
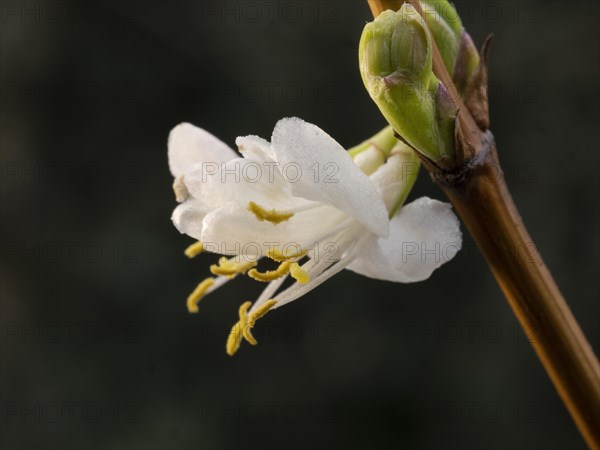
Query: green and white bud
x=458, y=52
x=400, y=166
x=445, y=28
x=460, y=56
x=373, y=152
x=395, y=58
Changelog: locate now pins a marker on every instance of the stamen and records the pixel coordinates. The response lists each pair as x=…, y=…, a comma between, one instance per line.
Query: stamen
x=194, y=249
x=277, y=255
x=272, y=216
x=242, y=328
x=271, y=275
x=230, y=268
x=268, y=292
x=299, y=274
x=246, y=329
x=261, y=312
x=200, y=291
x=237, y=331
x=321, y=271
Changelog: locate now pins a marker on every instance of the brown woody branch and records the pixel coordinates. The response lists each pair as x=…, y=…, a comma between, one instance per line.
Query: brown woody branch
x=477, y=189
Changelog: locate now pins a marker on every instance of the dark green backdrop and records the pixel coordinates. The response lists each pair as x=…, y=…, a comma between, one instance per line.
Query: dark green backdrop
x=97, y=349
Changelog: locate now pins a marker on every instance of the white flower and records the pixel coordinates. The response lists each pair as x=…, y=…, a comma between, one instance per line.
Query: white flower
x=302, y=201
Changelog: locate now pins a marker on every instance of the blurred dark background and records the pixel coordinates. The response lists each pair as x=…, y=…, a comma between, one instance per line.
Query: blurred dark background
x=97, y=349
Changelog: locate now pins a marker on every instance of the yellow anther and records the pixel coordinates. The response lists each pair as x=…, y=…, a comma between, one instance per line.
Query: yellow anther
x=251, y=321
x=199, y=292
x=237, y=331
x=298, y=273
x=230, y=268
x=246, y=329
x=242, y=328
x=270, y=275
x=234, y=340
x=261, y=311
x=194, y=249
x=272, y=216
x=279, y=256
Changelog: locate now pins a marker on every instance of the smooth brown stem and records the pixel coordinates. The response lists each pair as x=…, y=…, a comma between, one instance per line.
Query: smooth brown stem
x=485, y=206
x=482, y=200
x=379, y=6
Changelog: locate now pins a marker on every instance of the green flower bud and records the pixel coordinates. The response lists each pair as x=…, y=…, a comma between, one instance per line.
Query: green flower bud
x=458, y=52
x=445, y=28
x=397, y=46
x=466, y=64
x=395, y=57
x=461, y=58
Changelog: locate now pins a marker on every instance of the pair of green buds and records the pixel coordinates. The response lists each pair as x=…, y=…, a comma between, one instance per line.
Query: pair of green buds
x=395, y=55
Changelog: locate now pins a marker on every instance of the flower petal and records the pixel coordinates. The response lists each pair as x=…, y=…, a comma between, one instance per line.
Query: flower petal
x=188, y=217
x=254, y=147
x=423, y=235
x=319, y=169
x=233, y=229
x=190, y=145
x=395, y=179
x=240, y=180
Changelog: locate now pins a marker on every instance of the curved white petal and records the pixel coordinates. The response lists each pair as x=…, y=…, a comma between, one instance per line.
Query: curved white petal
x=188, y=217
x=190, y=145
x=423, y=235
x=254, y=147
x=235, y=230
x=319, y=169
x=242, y=181
x=394, y=178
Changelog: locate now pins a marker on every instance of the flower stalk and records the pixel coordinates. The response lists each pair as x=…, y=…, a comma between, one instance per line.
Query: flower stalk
x=475, y=185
